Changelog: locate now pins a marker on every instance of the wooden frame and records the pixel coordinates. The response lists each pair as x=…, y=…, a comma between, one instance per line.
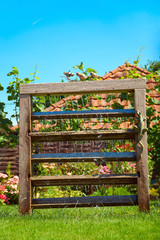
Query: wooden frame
x=27, y=181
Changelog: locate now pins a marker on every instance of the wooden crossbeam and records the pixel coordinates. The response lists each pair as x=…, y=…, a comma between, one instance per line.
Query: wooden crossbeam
x=84, y=114
x=83, y=180
x=120, y=85
x=127, y=200
x=82, y=135
x=84, y=157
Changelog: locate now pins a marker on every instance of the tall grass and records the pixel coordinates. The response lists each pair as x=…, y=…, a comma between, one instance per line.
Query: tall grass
x=81, y=224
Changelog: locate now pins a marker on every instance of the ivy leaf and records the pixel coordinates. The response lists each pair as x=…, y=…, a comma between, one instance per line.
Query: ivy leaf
x=157, y=88
x=97, y=97
x=109, y=98
x=91, y=70
x=158, y=72
x=1, y=88
x=40, y=106
x=148, y=90
x=14, y=68
x=79, y=66
x=10, y=98
x=10, y=73
x=116, y=105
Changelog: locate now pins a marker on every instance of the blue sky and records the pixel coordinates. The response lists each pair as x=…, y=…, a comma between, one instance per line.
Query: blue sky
x=57, y=35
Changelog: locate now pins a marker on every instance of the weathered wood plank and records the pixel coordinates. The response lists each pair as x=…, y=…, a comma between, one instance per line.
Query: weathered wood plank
x=12, y=168
x=8, y=150
x=84, y=114
x=83, y=87
x=24, y=154
x=142, y=156
x=82, y=135
x=8, y=158
x=5, y=163
x=85, y=157
x=128, y=200
x=84, y=180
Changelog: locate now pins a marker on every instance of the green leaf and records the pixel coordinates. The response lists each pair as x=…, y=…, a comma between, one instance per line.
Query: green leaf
x=109, y=98
x=158, y=72
x=157, y=88
x=9, y=74
x=97, y=97
x=40, y=106
x=116, y=105
x=1, y=88
x=10, y=98
x=148, y=90
x=79, y=66
x=36, y=77
x=14, y=68
x=91, y=70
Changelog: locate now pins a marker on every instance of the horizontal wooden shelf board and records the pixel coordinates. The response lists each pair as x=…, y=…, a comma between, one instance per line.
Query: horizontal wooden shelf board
x=84, y=114
x=83, y=180
x=82, y=135
x=126, y=200
x=120, y=85
x=84, y=157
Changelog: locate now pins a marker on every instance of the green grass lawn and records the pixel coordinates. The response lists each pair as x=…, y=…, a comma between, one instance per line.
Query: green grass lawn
x=81, y=223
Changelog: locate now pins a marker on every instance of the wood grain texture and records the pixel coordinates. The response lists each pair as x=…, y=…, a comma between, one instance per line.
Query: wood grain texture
x=84, y=157
x=84, y=114
x=25, y=154
x=101, y=201
x=84, y=180
x=120, y=85
x=142, y=156
x=82, y=135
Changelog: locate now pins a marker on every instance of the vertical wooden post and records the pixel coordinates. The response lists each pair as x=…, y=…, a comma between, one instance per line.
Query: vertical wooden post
x=142, y=155
x=25, y=154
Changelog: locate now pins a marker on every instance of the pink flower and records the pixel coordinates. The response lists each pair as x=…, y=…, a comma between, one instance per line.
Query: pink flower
x=132, y=165
x=104, y=170
x=2, y=188
x=3, y=175
x=2, y=196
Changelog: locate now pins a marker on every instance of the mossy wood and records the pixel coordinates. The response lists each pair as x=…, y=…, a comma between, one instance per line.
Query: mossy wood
x=29, y=182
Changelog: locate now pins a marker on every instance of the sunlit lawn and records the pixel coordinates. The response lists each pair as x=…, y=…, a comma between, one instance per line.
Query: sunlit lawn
x=81, y=223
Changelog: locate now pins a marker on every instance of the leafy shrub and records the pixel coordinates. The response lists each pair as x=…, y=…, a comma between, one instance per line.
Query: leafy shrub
x=57, y=191
x=109, y=191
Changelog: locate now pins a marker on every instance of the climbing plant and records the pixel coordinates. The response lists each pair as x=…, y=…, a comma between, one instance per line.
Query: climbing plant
x=40, y=103
x=6, y=135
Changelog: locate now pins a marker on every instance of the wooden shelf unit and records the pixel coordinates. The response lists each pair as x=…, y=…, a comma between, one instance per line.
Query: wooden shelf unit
x=26, y=158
